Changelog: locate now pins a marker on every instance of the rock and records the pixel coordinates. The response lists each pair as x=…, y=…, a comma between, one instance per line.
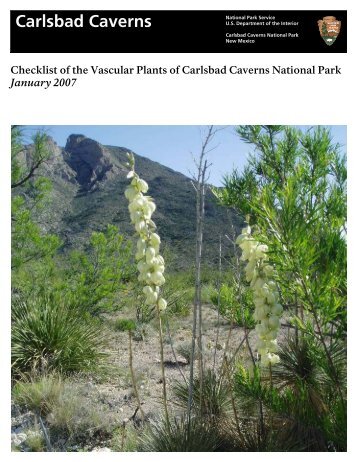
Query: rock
x=18, y=438
x=101, y=450
x=18, y=430
x=90, y=161
x=55, y=167
x=85, y=167
x=73, y=141
x=74, y=448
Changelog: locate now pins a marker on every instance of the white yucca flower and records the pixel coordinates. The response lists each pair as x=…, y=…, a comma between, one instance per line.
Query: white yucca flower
x=151, y=265
x=265, y=295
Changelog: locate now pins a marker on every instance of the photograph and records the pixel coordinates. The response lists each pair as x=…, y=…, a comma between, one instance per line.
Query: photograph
x=178, y=288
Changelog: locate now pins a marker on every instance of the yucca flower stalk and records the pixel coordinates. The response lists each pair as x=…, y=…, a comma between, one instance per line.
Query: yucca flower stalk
x=259, y=273
x=150, y=263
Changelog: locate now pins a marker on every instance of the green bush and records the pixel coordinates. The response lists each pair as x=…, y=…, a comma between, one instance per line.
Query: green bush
x=294, y=194
x=96, y=278
x=125, y=439
x=185, y=350
x=215, y=400
x=299, y=397
x=35, y=440
x=178, y=292
x=181, y=436
x=123, y=325
x=233, y=305
x=48, y=334
x=70, y=411
x=39, y=395
x=79, y=417
x=179, y=303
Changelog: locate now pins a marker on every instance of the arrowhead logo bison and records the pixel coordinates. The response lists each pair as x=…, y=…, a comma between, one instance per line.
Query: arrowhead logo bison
x=329, y=29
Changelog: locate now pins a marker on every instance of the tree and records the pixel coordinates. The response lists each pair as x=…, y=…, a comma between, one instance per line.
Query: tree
x=48, y=329
x=293, y=193
x=24, y=164
x=95, y=277
x=29, y=193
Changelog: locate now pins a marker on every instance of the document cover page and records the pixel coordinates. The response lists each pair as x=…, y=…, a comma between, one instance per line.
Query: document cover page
x=174, y=228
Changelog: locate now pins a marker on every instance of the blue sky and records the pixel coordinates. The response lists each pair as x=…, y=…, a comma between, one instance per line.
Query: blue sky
x=172, y=145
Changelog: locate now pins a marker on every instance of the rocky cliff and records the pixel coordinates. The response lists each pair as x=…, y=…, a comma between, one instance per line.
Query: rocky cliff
x=89, y=180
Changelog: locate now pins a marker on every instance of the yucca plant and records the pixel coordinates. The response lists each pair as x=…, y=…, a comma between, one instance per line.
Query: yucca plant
x=181, y=435
x=215, y=400
x=297, y=398
x=305, y=369
x=184, y=350
x=299, y=372
x=277, y=437
x=287, y=421
x=48, y=334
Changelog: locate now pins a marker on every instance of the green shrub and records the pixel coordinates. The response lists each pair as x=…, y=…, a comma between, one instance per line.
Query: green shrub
x=180, y=436
x=178, y=293
x=140, y=333
x=125, y=439
x=185, y=349
x=35, y=440
x=298, y=397
x=179, y=303
x=206, y=291
x=47, y=334
x=248, y=437
x=97, y=277
x=38, y=395
x=78, y=417
x=234, y=306
x=123, y=325
x=215, y=400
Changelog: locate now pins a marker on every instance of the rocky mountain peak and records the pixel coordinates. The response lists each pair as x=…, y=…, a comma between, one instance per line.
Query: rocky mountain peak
x=89, y=181
x=73, y=141
x=90, y=160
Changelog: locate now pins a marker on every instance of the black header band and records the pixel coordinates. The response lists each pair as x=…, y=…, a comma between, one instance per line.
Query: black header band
x=124, y=31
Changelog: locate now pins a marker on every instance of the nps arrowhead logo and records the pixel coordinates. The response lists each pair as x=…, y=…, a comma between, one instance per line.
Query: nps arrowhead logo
x=329, y=29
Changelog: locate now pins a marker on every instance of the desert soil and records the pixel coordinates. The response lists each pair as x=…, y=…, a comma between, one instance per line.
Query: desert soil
x=114, y=391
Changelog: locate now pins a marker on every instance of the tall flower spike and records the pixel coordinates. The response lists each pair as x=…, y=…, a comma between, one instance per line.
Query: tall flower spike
x=265, y=294
x=150, y=263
